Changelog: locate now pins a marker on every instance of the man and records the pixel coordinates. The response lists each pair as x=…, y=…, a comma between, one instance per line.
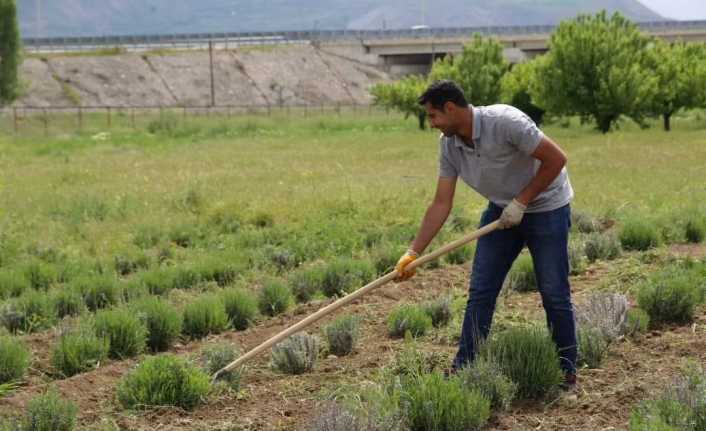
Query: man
x=499, y=152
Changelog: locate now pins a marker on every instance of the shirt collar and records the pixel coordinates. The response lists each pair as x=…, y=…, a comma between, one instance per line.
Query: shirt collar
x=476, y=128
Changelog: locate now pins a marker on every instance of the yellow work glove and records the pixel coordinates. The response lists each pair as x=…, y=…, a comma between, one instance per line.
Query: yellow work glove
x=405, y=260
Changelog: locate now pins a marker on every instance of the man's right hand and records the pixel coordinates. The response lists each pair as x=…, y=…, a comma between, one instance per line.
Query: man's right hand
x=405, y=260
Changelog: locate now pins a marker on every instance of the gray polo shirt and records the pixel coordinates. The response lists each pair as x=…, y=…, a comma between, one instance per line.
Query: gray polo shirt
x=501, y=165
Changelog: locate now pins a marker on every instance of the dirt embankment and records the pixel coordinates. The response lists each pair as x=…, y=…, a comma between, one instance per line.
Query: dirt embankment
x=276, y=76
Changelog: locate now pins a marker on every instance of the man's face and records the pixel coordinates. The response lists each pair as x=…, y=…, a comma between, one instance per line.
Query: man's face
x=444, y=120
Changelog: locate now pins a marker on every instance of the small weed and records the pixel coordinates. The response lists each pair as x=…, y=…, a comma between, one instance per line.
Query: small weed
x=41, y=275
x=577, y=258
x=342, y=335
x=638, y=321
x=306, y=282
x=639, y=234
x=98, y=291
x=343, y=276
x=296, y=355
x=203, y=316
x=440, y=311
x=213, y=358
x=78, y=351
x=488, y=379
x=164, y=380
x=602, y=246
x=162, y=320
x=32, y=311
x=49, y=412
x=461, y=255
x=584, y=222
x=148, y=236
x=262, y=220
x=13, y=283
x=125, y=333
x=592, y=346
x=410, y=318
x=67, y=302
x=521, y=277
x=435, y=403
x=130, y=261
x=669, y=297
x=528, y=356
x=275, y=298
x=695, y=230
x=14, y=359
x=241, y=307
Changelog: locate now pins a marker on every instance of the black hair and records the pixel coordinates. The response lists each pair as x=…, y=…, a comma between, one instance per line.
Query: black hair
x=442, y=91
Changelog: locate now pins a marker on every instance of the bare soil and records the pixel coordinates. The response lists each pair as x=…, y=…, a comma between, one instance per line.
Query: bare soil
x=634, y=370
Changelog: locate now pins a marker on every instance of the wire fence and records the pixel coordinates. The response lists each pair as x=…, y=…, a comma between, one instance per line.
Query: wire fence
x=48, y=121
x=234, y=39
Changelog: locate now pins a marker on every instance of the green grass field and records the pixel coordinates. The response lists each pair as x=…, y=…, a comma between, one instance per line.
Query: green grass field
x=320, y=204
x=329, y=176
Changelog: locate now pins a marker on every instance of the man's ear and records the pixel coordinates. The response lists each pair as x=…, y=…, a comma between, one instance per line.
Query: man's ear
x=449, y=107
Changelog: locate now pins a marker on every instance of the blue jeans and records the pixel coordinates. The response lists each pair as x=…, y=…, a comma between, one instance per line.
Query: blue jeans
x=546, y=235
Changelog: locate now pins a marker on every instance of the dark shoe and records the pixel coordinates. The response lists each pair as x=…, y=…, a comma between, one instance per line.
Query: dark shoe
x=570, y=382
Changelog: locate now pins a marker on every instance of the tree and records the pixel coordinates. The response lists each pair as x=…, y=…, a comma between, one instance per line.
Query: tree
x=9, y=51
x=478, y=70
x=402, y=96
x=681, y=72
x=596, y=68
x=516, y=86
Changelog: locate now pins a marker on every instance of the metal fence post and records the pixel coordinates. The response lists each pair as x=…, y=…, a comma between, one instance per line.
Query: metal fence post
x=80, y=119
x=14, y=119
x=213, y=83
x=45, y=119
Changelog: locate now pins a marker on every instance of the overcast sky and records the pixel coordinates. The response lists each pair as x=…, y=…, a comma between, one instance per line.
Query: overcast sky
x=678, y=9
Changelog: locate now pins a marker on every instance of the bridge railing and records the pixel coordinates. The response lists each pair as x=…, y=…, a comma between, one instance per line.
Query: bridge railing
x=147, y=41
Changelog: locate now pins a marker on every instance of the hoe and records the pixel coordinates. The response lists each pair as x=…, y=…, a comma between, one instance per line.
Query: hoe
x=352, y=297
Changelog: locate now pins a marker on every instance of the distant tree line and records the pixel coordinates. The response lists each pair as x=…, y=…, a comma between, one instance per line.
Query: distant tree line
x=598, y=67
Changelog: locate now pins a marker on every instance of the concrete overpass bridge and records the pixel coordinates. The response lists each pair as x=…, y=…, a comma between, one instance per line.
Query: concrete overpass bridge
x=415, y=53
x=401, y=52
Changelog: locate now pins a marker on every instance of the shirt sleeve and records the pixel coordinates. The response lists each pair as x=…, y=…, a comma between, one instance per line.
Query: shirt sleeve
x=446, y=168
x=523, y=133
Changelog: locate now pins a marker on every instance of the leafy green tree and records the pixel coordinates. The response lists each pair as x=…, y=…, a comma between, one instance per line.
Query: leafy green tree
x=681, y=71
x=9, y=51
x=478, y=70
x=402, y=96
x=516, y=86
x=596, y=68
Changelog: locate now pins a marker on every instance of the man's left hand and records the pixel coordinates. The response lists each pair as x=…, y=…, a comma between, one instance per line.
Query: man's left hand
x=512, y=215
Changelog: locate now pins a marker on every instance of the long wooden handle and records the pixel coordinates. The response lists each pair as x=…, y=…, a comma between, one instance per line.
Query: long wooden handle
x=353, y=296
